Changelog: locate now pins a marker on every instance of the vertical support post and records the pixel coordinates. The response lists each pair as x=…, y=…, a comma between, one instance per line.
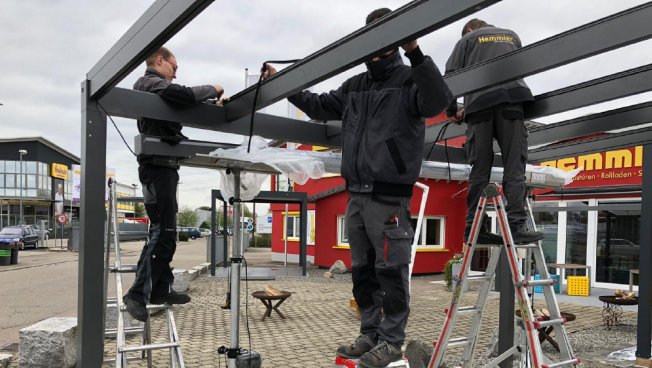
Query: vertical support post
x=225, y=238
x=644, y=323
x=90, y=339
x=213, y=244
x=236, y=258
x=303, y=236
x=506, y=314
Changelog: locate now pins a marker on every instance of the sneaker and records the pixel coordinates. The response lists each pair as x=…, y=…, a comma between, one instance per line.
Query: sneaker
x=170, y=298
x=380, y=356
x=360, y=346
x=137, y=309
x=486, y=237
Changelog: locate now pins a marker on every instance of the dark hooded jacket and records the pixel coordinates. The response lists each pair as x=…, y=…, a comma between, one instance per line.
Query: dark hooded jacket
x=383, y=115
x=168, y=131
x=477, y=46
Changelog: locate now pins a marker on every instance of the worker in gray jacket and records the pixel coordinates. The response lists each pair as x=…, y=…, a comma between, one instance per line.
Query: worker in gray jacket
x=494, y=112
x=159, y=178
x=383, y=113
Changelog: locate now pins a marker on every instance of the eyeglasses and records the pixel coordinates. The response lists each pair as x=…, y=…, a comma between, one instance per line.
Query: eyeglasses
x=174, y=66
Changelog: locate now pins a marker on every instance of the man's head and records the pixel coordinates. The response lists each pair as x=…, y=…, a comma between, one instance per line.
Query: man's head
x=472, y=25
x=375, y=15
x=164, y=62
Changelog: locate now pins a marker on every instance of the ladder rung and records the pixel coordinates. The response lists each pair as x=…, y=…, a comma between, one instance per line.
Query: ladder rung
x=128, y=331
x=130, y=199
x=562, y=364
x=457, y=342
x=552, y=322
x=526, y=246
x=479, y=276
x=467, y=309
x=165, y=345
x=544, y=282
x=124, y=268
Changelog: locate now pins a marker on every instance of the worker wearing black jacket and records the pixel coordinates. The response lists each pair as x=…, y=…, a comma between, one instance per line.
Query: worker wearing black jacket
x=383, y=115
x=495, y=112
x=159, y=178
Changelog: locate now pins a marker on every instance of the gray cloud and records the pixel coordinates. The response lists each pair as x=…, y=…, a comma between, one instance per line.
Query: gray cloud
x=48, y=46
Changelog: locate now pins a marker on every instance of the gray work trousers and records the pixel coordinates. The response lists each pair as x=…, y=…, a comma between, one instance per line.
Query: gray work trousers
x=380, y=236
x=505, y=124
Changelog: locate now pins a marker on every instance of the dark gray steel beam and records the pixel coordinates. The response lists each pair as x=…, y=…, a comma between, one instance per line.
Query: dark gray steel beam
x=411, y=21
x=611, y=87
x=625, y=117
x=644, y=322
x=157, y=25
x=90, y=284
x=626, y=139
x=131, y=104
x=154, y=146
x=606, y=34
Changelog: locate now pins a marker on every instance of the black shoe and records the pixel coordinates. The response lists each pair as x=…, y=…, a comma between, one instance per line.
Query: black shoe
x=524, y=236
x=486, y=237
x=170, y=298
x=380, y=356
x=360, y=346
x=137, y=309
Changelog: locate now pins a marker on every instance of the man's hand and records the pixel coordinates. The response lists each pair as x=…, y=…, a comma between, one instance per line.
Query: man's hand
x=221, y=101
x=219, y=89
x=409, y=46
x=459, y=116
x=267, y=71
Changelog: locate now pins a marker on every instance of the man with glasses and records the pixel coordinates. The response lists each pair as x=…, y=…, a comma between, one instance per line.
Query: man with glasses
x=159, y=178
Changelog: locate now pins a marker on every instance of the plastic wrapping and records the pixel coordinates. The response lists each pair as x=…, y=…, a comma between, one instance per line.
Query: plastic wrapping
x=303, y=165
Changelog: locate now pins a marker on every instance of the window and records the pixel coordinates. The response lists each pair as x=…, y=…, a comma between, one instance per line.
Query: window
x=342, y=236
x=29, y=167
x=292, y=226
x=10, y=181
x=11, y=167
x=2, y=180
x=31, y=181
x=432, y=232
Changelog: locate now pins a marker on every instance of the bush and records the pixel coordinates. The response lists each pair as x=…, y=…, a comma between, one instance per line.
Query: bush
x=205, y=225
x=261, y=241
x=448, y=270
x=183, y=237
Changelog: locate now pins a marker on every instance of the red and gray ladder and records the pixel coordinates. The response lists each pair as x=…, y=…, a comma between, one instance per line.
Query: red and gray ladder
x=121, y=332
x=530, y=347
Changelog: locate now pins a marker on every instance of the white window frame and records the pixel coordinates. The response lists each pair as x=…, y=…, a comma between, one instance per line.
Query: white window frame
x=341, y=229
x=295, y=227
x=442, y=232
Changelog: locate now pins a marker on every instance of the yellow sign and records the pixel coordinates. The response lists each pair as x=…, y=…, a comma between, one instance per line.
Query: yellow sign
x=618, y=159
x=59, y=171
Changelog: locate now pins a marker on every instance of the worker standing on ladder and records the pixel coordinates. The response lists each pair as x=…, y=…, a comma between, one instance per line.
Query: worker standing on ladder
x=495, y=112
x=159, y=178
x=383, y=115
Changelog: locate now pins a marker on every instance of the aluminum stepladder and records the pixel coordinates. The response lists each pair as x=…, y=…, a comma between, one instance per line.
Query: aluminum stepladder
x=121, y=332
x=531, y=323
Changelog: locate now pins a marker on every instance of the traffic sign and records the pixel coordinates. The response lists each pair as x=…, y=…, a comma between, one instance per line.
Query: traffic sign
x=250, y=220
x=250, y=227
x=62, y=219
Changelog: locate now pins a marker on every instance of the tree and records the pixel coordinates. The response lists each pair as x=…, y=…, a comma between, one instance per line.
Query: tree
x=187, y=217
x=205, y=225
x=139, y=210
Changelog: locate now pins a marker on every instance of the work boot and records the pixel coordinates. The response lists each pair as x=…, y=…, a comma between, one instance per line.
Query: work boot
x=136, y=309
x=484, y=237
x=522, y=235
x=360, y=346
x=170, y=298
x=380, y=356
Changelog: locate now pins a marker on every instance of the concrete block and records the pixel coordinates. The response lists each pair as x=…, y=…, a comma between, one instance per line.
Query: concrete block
x=181, y=281
x=49, y=343
x=338, y=267
x=193, y=274
x=5, y=360
x=201, y=269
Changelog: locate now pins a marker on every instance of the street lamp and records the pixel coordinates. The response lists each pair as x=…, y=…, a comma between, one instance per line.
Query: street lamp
x=21, y=153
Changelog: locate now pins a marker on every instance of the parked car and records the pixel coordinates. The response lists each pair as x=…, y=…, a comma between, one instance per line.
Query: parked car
x=25, y=234
x=193, y=232
x=42, y=232
x=205, y=232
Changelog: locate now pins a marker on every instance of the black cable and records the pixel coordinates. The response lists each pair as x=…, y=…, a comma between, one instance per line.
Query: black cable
x=116, y=127
x=253, y=107
x=438, y=138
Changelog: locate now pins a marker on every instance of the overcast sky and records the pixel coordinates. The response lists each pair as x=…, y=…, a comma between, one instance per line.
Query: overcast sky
x=48, y=46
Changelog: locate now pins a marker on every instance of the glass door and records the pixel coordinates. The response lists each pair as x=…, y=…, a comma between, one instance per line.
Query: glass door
x=618, y=245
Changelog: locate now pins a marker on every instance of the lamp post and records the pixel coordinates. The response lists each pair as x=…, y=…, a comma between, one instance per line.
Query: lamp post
x=21, y=153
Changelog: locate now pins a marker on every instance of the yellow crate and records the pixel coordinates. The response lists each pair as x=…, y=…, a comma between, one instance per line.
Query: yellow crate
x=578, y=286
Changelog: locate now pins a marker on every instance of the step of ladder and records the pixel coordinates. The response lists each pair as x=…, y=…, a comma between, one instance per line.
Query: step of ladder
x=353, y=363
x=123, y=269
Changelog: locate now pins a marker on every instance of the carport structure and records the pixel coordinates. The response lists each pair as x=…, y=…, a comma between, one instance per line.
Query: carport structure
x=417, y=18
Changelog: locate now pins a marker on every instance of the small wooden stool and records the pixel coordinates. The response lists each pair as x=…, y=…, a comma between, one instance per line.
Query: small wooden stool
x=267, y=300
